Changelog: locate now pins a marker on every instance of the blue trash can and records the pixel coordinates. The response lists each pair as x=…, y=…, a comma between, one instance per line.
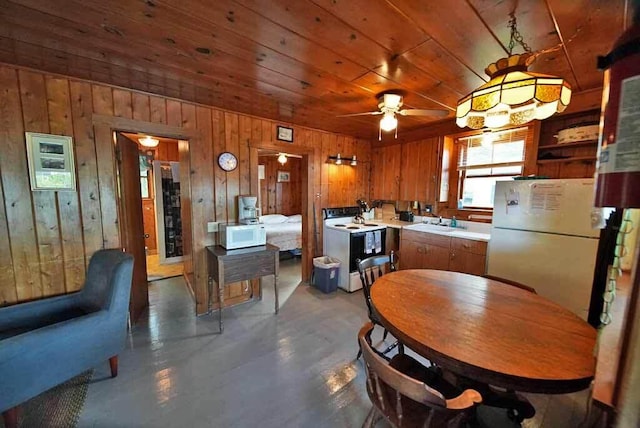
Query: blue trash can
x=326, y=271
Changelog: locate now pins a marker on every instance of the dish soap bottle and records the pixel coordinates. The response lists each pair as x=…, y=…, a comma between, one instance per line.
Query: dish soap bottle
x=454, y=222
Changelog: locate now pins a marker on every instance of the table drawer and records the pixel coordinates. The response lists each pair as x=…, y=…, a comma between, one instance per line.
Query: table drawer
x=469, y=245
x=236, y=268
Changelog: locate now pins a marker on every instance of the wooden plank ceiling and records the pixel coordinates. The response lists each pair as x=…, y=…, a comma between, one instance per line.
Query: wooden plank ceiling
x=306, y=61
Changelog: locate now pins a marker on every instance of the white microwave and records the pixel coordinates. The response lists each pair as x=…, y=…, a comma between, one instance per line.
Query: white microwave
x=242, y=235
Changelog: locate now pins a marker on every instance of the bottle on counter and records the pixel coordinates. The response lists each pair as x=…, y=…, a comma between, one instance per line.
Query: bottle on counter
x=454, y=222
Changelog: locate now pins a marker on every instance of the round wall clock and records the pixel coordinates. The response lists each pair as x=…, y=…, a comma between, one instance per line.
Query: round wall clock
x=228, y=161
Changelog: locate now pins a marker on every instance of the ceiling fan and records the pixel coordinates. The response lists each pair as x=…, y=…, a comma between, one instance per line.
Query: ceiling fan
x=389, y=104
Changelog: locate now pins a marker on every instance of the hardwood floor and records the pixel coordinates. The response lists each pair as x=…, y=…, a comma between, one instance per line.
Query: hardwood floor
x=156, y=271
x=295, y=369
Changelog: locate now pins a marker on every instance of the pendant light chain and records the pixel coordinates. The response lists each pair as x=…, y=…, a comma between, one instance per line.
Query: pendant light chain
x=516, y=37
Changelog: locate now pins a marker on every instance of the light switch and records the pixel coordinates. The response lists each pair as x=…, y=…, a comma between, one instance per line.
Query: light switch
x=212, y=226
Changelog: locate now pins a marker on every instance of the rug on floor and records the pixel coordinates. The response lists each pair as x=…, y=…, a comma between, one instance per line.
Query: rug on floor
x=58, y=407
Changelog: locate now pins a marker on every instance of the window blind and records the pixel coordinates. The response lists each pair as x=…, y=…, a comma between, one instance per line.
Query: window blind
x=505, y=151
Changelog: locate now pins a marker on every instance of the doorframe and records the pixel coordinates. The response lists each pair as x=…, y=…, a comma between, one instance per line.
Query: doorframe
x=105, y=125
x=310, y=156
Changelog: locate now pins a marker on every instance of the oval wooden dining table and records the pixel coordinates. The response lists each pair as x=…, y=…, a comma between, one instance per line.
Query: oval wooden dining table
x=487, y=331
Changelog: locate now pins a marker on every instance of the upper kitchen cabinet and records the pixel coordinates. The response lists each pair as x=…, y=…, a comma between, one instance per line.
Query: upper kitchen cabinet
x=385, y=172
x=419, y=170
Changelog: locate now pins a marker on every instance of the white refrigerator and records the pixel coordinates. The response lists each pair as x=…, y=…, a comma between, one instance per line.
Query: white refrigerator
x=545, y=235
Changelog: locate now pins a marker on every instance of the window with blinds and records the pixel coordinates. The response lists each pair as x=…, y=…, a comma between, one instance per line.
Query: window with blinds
x=486, y=158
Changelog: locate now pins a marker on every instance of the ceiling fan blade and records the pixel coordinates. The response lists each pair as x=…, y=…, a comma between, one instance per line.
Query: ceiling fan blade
x=369, y=113
x=424, y=112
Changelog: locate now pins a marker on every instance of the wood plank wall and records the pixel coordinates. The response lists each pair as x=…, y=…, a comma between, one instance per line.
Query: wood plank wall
x=50, y=236
x=276, y=197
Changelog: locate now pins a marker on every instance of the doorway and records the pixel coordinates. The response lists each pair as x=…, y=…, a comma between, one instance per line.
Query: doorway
x=160, y=192
x=280, y=203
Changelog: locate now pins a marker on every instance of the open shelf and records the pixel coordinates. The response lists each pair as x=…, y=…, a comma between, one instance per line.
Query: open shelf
x=567, y=145
x=565, y=160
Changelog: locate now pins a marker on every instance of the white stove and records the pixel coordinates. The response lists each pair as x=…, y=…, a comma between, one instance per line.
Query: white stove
x=348, y=241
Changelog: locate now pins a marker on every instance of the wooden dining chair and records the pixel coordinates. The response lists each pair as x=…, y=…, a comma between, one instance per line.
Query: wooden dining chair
x=513, y=283
x=371, y=269
x=408, y=394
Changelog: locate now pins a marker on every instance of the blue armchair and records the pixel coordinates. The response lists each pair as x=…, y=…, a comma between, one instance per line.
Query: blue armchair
x=47, y=342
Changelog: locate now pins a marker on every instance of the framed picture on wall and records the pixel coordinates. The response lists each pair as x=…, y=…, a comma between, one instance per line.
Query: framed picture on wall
x=284, y=134
x=51, y=162
x=283, y=176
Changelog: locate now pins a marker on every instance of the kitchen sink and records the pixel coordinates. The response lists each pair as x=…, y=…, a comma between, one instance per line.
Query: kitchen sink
x=425, y=227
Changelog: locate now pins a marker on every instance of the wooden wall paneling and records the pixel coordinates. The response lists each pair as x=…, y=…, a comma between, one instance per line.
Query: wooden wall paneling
x=173, y=153
x=244, y=138
x=186, y=212
x=103, y=105
x=86, y=166
x=340, y=173
x=102, y=100
x=88, y=111
x=157, y=110
x=220, y=188
x=325, y=169
x=174, y=113
x=192, y=118
x=8, y=292
x=233, y=177
x=141, y=109
x=232, y=144
x=122, y=103
x=375, y=173
x=268, y=132
x=17, y=193
x=19, y=272
x=35, y=116
x=60, y=123
x=201, y=183
x=316, y=201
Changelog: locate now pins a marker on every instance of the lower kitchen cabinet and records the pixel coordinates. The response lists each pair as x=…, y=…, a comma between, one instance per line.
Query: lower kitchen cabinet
x=421, y=250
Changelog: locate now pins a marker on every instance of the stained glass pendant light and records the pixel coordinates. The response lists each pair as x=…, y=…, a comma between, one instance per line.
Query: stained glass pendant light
x=513, y=95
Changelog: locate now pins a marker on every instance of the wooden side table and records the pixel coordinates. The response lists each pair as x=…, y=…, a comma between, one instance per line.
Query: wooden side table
x=229, y=266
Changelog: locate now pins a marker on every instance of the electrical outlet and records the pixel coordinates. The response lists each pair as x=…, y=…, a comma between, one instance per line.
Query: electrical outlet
x=212, y=226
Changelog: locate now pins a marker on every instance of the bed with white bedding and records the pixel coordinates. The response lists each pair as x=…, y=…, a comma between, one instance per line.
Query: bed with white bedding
x=282, y=231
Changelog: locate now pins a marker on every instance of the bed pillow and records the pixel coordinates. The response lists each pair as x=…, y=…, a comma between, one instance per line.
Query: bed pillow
x=273, y=218
x=295, y=218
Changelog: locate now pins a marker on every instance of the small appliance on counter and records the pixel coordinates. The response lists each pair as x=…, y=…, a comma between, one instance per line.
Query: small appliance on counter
x=247, y=210
x=234, y=236
x=405, y=216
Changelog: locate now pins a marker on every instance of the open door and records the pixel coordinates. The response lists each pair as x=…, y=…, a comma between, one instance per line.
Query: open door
x=131, y=227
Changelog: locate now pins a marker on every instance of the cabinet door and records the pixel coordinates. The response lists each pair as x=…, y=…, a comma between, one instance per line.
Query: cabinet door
x=466, y=262
x=419, y=171
x=385, y=172
x=410, y=254
x=435, y=257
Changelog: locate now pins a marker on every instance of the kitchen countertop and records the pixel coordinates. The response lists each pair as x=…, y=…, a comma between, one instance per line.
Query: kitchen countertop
x=457, y=233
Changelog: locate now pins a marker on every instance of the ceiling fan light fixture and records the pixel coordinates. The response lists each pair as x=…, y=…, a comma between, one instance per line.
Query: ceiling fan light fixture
x=282, y=158
x=148, y=141
x=389, y=122
x=513, y=95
